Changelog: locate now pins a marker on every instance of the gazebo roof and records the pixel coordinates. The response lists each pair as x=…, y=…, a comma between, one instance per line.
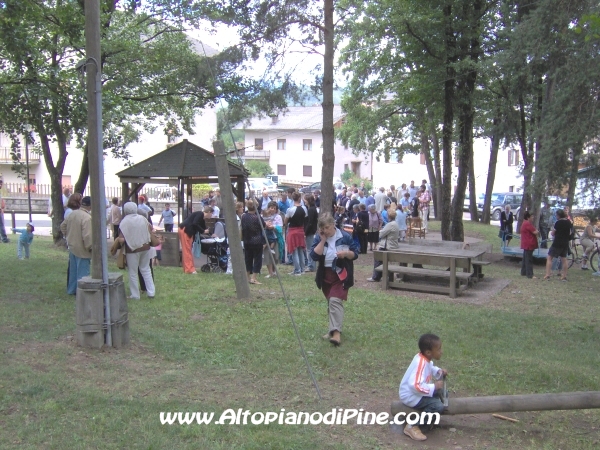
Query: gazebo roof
x=182, y=160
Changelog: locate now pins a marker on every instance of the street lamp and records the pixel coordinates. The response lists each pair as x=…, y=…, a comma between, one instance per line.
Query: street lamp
x=28, y=130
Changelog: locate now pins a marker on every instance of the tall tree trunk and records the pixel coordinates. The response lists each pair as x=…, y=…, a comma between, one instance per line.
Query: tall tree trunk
x=472, y=191
x=489, y=186
x=430, y=170
x=84, y=173
x=437, y=188
x=447, y=131
x=470, y=48
x=577, y=152
x=55, y=172
x=328, y=132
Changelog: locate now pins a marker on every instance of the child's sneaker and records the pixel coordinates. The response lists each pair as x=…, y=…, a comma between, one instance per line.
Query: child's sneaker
x=414, y=433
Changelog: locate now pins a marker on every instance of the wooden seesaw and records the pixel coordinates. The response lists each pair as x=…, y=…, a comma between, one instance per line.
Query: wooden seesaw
x=512, y=403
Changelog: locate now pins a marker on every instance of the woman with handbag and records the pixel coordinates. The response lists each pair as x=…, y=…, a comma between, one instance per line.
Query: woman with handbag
x=506, y=224
x=335, y=251
x=388, y=240
x=135, y=235
x=375, y=223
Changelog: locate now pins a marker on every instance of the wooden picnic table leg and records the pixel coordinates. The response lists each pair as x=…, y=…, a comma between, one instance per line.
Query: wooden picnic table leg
x=452, y=277
x=386, y=282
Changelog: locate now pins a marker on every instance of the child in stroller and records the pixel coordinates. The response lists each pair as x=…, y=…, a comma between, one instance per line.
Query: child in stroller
x=215, y=248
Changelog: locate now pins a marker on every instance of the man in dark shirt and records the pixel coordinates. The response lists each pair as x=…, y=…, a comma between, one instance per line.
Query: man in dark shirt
x=560, y=246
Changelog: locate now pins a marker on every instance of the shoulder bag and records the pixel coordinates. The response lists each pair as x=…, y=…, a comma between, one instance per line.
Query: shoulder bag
x=121, y=258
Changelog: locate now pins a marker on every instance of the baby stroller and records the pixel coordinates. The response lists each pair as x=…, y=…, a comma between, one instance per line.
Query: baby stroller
x=215, y=249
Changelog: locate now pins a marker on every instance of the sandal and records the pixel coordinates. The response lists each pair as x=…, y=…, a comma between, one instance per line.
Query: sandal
x=547, y=278
x=254, y=282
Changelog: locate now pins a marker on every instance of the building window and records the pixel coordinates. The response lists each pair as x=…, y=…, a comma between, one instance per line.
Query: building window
x=346, y=168
x=171, y=139
x=280, y=144
x=258, y=144
x=513, y=157
x=307, y=171
x=32, y=178
x=281, y=169
x=456, y=161
x=307, y=144
x=422, y=160
x=356, y=168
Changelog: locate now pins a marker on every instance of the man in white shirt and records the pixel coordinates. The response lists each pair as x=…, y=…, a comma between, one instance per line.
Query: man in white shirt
x=380, y=200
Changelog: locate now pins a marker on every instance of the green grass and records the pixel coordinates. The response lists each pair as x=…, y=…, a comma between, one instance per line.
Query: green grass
x=196, y=348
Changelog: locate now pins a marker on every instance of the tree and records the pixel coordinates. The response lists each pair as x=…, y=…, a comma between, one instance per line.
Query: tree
x=152, y=78
x=269, y=28
x=258, y=169
x=414, y=70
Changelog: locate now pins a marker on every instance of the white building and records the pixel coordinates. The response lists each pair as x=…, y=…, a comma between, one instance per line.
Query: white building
x=292, y=144
x=412, y=167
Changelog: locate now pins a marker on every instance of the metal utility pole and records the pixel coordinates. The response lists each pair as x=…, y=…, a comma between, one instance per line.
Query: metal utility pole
x=95, y=153
x=240, y=277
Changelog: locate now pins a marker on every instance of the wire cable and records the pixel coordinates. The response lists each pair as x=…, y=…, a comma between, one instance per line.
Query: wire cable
x=269, y=253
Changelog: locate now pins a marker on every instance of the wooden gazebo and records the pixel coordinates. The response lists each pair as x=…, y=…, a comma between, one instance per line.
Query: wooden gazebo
x=182, y=165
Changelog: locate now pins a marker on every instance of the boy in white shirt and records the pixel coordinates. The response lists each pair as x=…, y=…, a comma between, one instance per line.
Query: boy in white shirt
x=423, y=382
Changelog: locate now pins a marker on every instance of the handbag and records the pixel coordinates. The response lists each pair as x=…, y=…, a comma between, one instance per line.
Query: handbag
x=154, y=241
x=196, y=246
x=121, y=258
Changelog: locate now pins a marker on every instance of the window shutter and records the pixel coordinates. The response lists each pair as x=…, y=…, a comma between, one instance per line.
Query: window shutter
x=516, y=157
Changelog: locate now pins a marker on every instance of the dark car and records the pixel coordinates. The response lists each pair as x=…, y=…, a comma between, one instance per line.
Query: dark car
x=317, y=186
x=499, y=201
x=310, y=189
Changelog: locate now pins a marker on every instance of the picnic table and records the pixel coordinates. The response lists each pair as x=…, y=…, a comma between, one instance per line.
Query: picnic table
x=441, y=262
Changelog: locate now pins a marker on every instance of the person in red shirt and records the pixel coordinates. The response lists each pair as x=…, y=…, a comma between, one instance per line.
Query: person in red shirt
x=528, y=243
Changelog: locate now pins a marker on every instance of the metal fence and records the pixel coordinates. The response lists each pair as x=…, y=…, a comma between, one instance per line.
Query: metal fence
x=43, y=191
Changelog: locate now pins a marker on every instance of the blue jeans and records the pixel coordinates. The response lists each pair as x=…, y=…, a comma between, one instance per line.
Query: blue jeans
x=20, y=247
x=430, y=404
x=78, y=268
x=298, y=258
x=309, y=243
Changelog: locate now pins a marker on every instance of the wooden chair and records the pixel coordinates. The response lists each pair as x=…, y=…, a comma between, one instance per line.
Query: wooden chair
x=415, y=228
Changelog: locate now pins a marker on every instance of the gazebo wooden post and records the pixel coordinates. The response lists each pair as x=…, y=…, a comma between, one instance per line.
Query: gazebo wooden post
x=124, y=193
x=241, y=187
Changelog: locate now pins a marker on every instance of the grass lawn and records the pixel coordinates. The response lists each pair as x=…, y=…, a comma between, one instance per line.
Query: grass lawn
x=195, y=347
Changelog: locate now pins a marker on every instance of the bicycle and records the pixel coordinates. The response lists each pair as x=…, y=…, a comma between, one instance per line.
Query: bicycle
x=574, y=252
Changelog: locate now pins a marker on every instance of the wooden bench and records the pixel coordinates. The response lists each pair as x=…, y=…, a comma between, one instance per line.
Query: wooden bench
x=456, y=280
x=477, y=267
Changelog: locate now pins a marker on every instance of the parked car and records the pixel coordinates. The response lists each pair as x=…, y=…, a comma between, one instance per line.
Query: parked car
x=467, y=202
x=499, y=201
x=259, y=184
x=338, y=186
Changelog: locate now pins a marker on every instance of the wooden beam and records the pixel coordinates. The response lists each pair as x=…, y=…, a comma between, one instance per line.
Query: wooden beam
x=512, y=403
x=240, y=277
